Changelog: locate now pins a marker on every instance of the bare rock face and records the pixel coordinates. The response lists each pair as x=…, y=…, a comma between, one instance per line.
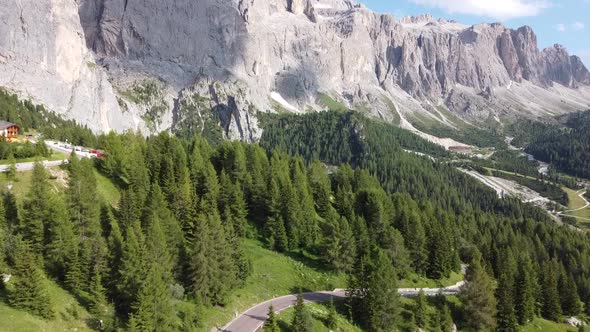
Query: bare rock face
x=253, y=51
x=43, y=56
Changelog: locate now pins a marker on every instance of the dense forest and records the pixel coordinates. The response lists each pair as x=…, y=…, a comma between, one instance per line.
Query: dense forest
x=30, y=116
x=566, y=146
x=335, y=185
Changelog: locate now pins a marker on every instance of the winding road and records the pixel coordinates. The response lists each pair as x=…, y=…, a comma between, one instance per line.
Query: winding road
x=252, y=319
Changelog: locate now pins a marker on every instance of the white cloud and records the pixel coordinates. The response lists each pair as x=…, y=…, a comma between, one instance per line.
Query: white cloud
x=498, y=9
x=578, y=26
x=560, y=27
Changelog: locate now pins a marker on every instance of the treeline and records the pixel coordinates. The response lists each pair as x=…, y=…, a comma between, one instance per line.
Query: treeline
x=30, y=116
x=567, y=147
x=23, y=150
x=501, y=231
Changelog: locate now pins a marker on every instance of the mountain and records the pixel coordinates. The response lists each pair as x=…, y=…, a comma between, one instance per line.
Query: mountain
x=187, y=64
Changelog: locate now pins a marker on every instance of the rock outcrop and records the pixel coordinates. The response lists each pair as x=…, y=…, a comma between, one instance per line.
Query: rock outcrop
x=295, y=49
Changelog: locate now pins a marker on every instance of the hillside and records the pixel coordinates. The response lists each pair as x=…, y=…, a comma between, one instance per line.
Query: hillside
x=115, y=65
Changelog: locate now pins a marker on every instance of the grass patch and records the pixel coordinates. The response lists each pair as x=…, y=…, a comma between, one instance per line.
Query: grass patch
x=575, y=201
x=319, y=314
x=69, y=315
x=331, y=103
x=22, y=184
x=397, y=120
x=273, y=275
x=416, y=281
x=107, y=190
x=54, y=156
x=541, y=325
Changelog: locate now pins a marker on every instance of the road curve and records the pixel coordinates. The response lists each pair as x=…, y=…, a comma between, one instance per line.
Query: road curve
x=252, y=319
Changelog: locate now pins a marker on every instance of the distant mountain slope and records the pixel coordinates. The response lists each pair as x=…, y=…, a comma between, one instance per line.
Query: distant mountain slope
x=157, y=65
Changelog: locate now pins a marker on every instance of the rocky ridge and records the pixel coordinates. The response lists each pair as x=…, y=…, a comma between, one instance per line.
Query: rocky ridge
x=273, y=55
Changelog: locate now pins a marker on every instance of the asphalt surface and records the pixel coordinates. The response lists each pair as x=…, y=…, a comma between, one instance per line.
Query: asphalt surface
x=252, y=319
x=22, y=167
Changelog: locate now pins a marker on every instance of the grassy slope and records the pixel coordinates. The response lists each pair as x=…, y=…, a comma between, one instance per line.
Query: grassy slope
x=107, y=189
x=22, y=185
x=575, y=203
x=64, y=306
x=273, y=275
x=319, y=314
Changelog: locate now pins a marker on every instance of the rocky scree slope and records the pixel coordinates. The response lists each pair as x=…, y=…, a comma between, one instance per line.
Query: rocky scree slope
x=155, y=65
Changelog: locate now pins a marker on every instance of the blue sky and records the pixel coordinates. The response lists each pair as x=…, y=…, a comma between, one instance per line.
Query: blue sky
x=565, y=22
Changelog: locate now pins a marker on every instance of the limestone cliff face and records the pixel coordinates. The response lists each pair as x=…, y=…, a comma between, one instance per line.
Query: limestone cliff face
x=264, y=53
x=43, y=55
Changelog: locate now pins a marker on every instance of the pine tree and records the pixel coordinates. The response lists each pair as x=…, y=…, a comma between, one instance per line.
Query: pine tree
x=35, y=210
x=445, y=319
x=11, y=171
x=132, y=270
x=62, y=243
x=270, y=325
x=301, y=317
x=201, y=271
x=420, y=312
x=29, y=291
x=152, y=309
x=225, y=271
x=12, y=213
x=332, y=320
x=156, y=209
x=478, y=297
x=570, y=300
x=115, y=244
x=525, y=291
x=506, y=316
x=551, y=308
x=98, y=302
x=382, y=295
x=3, y=237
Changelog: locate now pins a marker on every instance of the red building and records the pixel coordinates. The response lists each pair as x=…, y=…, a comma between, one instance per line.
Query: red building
x=9, y=130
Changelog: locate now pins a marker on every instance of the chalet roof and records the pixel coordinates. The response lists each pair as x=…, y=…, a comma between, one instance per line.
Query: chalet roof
x=6, y=124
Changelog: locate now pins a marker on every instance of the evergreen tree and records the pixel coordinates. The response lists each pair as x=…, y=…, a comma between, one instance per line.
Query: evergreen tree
x=62, y=243
x=382, y=296
x=115, y=244
x=98, y=302
x=152, y=309
x=420, y=312
x=35, y=210
x=332, y=320
x=3, y=238
x=270, y=325
x=478, y=297
x=525, y=291
x=301, y=317
x=445, y=319
x=570, y=300
x=29, y=291
x=12, y=213
x=506, y=316
x=132, y=270
x=551, y=308
x=11, y=171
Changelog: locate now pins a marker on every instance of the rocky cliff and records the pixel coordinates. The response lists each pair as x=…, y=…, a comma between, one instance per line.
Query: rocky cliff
x=118, y=64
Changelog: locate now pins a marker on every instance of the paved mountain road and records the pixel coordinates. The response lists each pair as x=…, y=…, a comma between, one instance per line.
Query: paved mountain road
x=23, y=167
x=253, y=319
